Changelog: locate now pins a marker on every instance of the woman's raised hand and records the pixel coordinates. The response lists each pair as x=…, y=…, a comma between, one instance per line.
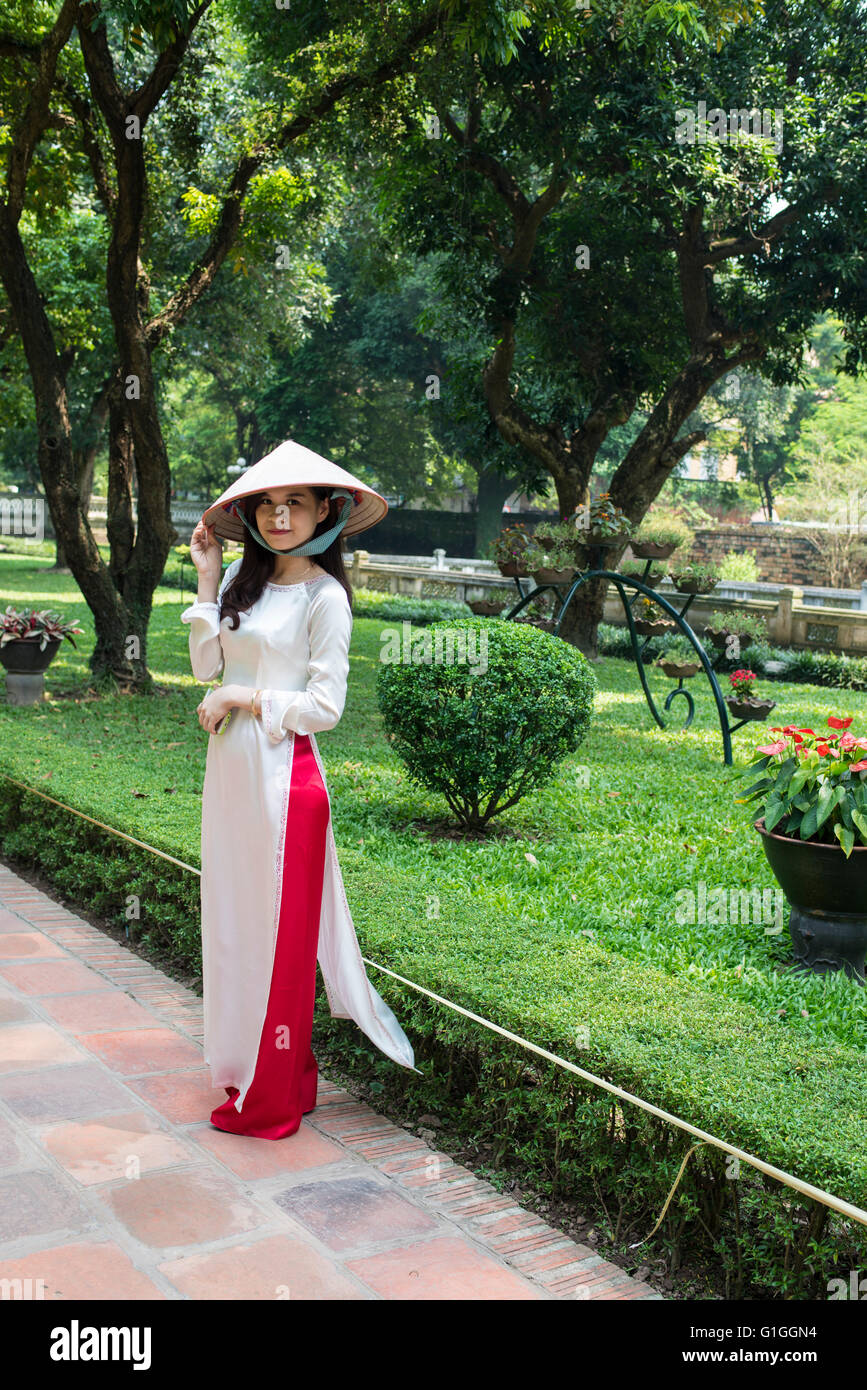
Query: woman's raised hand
x=206, y=552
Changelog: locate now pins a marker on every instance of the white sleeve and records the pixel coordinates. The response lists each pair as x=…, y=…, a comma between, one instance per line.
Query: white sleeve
x=206, y=650
x=320, y=706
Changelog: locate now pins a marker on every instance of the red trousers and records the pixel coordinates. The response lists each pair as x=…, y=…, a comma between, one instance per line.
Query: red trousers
x=284, y=1083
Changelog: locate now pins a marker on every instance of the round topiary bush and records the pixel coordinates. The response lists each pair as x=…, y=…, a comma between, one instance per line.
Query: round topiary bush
x=483, y=710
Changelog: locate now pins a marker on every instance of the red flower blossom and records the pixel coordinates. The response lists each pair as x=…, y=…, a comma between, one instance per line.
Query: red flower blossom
x=773, y=748
x=840, y=723
x=859, y=767
x=823, y=749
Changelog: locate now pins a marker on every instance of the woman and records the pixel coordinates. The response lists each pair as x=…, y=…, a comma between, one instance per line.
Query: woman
x=272, y=895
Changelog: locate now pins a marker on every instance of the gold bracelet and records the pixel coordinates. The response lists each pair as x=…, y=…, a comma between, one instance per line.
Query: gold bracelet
x=253, y=703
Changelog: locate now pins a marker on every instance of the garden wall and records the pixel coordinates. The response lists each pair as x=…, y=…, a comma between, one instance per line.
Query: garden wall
x=782, y=556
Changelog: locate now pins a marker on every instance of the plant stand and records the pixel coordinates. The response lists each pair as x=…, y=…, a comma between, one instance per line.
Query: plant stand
x=621, y=582
x=25, y=687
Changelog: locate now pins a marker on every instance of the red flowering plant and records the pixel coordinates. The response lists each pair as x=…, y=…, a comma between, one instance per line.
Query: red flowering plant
x=813, y=786
x=743, y=682
x=35, y=625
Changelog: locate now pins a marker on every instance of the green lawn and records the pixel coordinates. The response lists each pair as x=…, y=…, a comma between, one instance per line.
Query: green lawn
x=653, y=813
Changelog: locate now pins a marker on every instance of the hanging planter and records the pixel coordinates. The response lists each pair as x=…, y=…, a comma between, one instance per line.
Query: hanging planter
x=695, y=578
x=655, y=627
x=485, y=607
x=680, y=670
x=743, y=703
x=650, y=550
x=632, y=570
x=748, y=707
x=507, y=550
x=720, y=637
x=553, y=576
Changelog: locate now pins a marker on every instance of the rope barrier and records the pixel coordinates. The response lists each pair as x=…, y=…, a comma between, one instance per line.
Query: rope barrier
x=788, y=1179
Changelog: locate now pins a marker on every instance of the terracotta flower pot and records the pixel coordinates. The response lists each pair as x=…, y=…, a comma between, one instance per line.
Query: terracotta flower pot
x=23, y=655
x=512, y=569
x=828, y=896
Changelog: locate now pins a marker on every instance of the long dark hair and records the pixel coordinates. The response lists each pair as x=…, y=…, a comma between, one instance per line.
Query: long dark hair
x=257, y=566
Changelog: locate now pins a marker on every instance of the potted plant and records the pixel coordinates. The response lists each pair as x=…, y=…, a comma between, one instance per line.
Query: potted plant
x=538, y=613
x=695, y=577
x=554, y=567
x=659, y=536
x=812, y=795
x=650, y=622
x=743, y=702
x=507, y=549
x=600, y=524
x=678, y=659
x=548, y=534
x=31, y=638
x=744, y=628
x=634, y=569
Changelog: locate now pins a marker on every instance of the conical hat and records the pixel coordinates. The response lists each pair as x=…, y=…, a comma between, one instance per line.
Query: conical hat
x=291, y=465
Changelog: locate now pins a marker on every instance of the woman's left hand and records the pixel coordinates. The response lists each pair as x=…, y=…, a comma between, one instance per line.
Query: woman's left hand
x=215, y=706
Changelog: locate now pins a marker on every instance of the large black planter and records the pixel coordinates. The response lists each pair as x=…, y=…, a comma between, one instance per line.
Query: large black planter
x=25, y=655
x=828, y=896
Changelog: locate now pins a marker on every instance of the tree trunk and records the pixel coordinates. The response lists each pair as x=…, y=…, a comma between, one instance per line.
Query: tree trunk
x=583, y=616
x=57, y=466
x=493, y=489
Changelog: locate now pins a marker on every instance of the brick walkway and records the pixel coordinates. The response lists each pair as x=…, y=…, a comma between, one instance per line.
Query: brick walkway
x=114, y=1183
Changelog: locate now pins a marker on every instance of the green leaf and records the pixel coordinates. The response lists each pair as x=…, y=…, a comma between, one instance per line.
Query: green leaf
x=758, y=787
x=825, y=804
x=808, y=824
x=861, y=821
x=846, y=838
x=774, y=814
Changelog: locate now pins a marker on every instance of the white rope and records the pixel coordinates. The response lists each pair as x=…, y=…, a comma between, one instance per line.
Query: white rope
x=788, y=1179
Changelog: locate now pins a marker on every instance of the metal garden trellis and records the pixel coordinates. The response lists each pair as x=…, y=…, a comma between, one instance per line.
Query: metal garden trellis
x=620, y=582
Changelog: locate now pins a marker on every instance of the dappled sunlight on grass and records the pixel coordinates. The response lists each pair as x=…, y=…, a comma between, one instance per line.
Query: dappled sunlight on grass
x=638, y=815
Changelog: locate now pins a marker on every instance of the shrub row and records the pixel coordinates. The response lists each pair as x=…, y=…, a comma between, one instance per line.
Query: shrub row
x=835, y=670
x=712, y=1061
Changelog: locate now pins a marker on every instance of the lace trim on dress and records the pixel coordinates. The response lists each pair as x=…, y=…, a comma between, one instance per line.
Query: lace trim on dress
x=299, y=584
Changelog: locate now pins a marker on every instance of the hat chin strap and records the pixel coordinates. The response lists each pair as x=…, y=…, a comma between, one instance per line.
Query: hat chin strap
x=317, y=544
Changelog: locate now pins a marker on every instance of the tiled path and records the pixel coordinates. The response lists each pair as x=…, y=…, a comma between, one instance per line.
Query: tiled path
x=114, y=1183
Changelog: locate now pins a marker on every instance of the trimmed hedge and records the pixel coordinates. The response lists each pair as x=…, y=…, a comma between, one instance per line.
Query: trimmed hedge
x=710, y=1060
